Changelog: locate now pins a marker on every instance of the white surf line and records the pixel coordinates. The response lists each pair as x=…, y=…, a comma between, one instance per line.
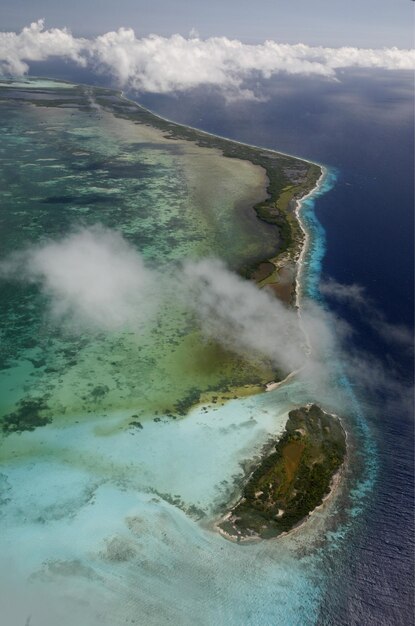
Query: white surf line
x=121, y=95
x=304, y=251
x=300, y=269
x=214, y=136
x=304, y=248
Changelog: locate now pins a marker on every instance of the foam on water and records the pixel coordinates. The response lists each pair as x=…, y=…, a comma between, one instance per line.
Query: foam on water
x=317, y=236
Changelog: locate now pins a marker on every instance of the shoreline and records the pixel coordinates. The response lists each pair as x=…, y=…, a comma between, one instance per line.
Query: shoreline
x=300, y=268
x=121, y=94
x=335, y=484
x=213, y=135
x=298, y=254
x=299, y=295
x=297, y=251
x=284, y=181
x=271, y=386
x=295, y=247
x=305, y=246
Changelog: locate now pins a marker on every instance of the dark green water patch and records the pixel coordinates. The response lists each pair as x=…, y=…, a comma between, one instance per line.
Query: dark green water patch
x=28, y=416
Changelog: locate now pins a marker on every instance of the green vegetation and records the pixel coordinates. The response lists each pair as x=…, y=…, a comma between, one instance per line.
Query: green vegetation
x=289, y=178
x=292, y=481
x=190, y=370
x=183, y=405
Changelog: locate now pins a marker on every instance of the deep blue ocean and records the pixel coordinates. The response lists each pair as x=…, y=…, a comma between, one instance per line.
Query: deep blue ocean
x=360, y=127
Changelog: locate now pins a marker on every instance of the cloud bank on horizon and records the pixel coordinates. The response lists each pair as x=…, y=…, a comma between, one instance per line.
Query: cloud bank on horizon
x=165, y=64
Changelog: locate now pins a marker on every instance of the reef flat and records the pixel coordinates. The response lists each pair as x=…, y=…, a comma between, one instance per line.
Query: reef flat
x=120, y=446
x=293, y=480
x=288, y=180
x=75, y=154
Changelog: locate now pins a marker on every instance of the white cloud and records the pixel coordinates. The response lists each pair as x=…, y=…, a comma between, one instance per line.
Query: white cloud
x=353, y=293
x=34, y=43
x=95, y=280
x=357, y=298
x=92, y=278
x=240, y=316
x=160, y=64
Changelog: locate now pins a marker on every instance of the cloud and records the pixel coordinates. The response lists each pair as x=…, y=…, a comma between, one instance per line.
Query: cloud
x=315, y=344
x=354, y=295
x=241, y=317
x=91, y=278
x=34, y=43
x=95, y=280
x=166, y=64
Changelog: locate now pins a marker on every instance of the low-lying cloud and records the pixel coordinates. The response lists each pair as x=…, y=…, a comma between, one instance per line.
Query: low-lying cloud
x=242, y=317
x=355, y=296
x=165, y=64
x=94, y=280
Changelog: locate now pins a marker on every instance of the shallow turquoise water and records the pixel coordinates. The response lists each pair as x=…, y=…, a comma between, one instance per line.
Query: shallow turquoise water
x=130, y=516
x=69, y=166
x=105, y=524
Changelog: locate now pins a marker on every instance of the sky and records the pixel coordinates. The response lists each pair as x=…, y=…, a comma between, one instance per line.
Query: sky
x=367, y=23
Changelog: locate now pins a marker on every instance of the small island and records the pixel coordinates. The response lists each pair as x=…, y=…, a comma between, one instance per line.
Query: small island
x=293, y=480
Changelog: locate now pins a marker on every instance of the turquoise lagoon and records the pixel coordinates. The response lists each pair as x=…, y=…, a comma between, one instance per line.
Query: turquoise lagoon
x=104, y=522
